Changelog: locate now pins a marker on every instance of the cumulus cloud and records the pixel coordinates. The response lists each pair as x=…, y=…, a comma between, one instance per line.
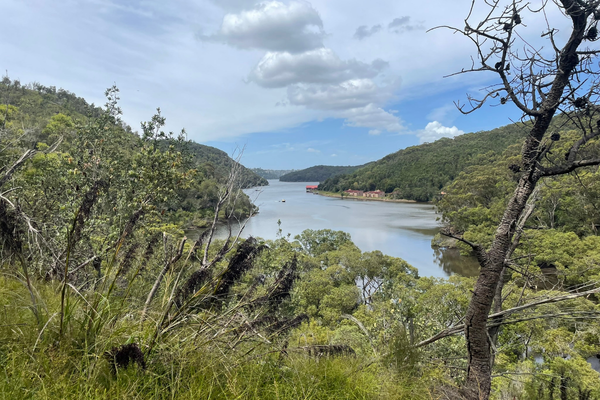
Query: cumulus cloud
x=372, y=116
x=280, y=69
x=364, y=31
x=315, y=76
x=311, y=150
x=273, y=26
x=402, y=24
x=435, y=130
x=350, y=94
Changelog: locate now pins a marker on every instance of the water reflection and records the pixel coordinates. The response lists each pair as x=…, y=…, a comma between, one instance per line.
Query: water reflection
x=401, y=230
x=452, y=262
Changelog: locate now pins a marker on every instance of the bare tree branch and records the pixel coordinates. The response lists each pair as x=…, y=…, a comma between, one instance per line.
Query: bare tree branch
x=461, y=327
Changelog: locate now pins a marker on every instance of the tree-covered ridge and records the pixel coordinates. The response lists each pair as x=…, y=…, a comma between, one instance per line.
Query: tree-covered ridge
x=271, y=173
x=318, y=173
x=419, y=172
x=216, y=164
x=567, y=204
x=44, y=110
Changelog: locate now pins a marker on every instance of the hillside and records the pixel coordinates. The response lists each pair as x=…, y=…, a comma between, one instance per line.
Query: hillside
x=271, y=173
x=35, y=106
x=318, y=173
x=94, y=146
x=217, y=164
x=420, y=172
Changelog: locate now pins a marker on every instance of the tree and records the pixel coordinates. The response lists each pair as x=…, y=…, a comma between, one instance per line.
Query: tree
x=541, y=82
x=321, y=241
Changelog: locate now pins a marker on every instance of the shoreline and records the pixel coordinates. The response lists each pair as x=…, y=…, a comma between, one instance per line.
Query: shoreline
x=339, y=196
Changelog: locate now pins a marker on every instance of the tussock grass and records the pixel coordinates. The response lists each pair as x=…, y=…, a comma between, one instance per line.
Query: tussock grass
x=34, y=364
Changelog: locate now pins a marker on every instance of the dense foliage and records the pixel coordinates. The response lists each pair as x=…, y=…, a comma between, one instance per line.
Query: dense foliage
x=474, y=201
x=419, y=172
x=39, y=117
x=557, y=255
x=318, y=173
x=216, y=163
x=104, y=297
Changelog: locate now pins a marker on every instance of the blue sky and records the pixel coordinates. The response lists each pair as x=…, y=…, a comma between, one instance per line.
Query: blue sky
x=297, y=83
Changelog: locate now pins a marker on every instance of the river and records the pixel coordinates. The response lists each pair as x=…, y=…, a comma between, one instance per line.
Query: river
x=401, y=230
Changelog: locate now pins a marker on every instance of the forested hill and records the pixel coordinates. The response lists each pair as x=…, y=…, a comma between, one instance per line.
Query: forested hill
x=45, y=110
x=271, y=173
x=318, y=173
x=420, y=172
x=216, y=162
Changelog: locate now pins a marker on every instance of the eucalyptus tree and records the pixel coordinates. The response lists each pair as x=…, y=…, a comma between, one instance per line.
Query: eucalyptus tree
x=557, y=74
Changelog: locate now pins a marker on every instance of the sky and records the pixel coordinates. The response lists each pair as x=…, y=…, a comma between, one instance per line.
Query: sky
x=294, y=83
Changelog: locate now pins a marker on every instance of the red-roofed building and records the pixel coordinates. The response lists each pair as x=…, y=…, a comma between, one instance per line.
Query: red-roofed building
x=376, y=193
x=354, y=192
x=311, y=188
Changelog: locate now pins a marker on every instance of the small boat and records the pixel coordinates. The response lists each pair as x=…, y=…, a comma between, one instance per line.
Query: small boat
x=283, y=200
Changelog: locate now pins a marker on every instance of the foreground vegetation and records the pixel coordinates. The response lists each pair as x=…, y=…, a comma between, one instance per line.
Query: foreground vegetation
x=104, y=297
x=238, y=344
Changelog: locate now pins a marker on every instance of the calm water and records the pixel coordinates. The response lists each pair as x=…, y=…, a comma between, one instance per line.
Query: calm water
x=401, y=230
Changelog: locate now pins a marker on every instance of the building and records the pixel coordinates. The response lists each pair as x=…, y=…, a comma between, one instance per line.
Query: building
x=376, y=194
x=356, y=193
x=311, y=188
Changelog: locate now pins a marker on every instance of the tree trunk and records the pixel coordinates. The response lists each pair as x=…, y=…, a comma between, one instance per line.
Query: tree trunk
x=479, y=371
x=492, y=263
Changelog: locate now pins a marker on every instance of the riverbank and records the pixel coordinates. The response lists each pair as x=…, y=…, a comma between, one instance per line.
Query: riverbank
x=339, y=196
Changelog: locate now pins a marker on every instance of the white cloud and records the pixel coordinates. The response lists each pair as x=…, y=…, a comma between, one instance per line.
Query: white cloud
x=334, y=155
x=364, y=31
x=316, y=78
x=311, y=150
x=373, y=117
x=351, y=94
x=280, y=69
x=435, y=130
x=200, y=85
x=272, y=26
x=375, y=132
x=320, y=80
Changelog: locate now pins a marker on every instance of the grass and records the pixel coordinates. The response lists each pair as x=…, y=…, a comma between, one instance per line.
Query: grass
x=35, y=364
x=202, y=374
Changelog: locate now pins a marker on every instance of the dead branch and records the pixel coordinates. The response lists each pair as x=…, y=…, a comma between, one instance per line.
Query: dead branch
x=460, y=328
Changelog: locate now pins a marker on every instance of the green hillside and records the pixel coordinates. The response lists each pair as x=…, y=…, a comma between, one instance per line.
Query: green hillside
x=318, y=173
x=216, y=163
x=271, y=173
x=420, y=172
x=35, y=105
x=95, y=142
